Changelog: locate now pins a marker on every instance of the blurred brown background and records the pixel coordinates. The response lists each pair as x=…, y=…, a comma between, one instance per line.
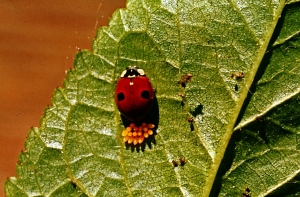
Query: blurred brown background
x=38, y=43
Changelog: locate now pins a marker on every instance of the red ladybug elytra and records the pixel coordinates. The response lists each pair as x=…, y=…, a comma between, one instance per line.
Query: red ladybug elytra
x=134, y=94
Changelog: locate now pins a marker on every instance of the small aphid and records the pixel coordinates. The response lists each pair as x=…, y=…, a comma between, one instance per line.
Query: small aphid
x=247, y=192
x=190, y=119
x=186, y=78
x=175, y=163
x=238, y=75
x=181, y=95
x=182, y=83
x=258, y=118
x=247, y=189
x=182, y=161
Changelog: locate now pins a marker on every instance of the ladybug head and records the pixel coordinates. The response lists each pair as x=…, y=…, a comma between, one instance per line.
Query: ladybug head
x=133, y=71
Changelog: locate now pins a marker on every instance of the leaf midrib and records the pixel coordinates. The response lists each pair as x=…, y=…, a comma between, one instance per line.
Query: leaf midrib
x=230, y=128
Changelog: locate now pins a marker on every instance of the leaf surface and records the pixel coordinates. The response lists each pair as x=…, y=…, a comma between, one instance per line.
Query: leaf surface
x=243, y=98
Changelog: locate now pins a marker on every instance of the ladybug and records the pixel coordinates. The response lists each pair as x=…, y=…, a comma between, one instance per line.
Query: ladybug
x=134, y=94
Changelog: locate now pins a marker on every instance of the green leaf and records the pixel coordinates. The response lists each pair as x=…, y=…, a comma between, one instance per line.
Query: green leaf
x=245, y=131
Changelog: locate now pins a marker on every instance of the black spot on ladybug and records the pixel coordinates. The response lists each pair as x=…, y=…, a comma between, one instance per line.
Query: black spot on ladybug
x=145, y=94
x=121, y=96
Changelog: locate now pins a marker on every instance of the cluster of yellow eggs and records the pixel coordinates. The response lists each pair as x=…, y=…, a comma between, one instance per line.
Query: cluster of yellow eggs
x=137, y=134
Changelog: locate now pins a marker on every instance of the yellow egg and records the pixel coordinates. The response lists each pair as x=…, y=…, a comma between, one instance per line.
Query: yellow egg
x=130, y=140
x=150, y=132
x=124, y=133
x=141, y=139
x=146, y=135
x=150, y=126
x=125, y=139
x=136, y=129
x=145, y=129
x=128, y=128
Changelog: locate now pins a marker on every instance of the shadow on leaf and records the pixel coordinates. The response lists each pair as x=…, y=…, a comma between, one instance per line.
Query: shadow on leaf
x=151, y=118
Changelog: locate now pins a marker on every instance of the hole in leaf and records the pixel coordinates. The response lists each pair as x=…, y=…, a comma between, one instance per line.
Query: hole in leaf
x=197, y=110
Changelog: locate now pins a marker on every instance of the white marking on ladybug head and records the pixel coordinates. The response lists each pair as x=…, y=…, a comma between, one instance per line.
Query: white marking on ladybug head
x=132, y=71
x=123, y=73
x=141, y=71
